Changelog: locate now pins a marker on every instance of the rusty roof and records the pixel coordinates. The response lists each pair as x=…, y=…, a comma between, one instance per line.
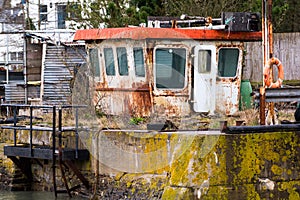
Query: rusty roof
x=139, y=33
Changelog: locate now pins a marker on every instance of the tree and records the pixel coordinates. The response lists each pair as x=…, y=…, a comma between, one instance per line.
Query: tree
x=119, y=13
x=286, y=16
x=116, y=13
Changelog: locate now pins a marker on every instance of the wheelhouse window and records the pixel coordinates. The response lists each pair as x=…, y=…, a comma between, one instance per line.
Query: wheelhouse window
x=94, y=61
x=122, y=61
x=170, y=64
x=109, y=62
x=228, y=62
x=139, y=62
x=204, y=60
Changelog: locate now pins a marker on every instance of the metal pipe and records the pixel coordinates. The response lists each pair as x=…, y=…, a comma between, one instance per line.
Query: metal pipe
x=43, y=71
x=270, y=45
x=270, y=27
x=262, y=105
x=25, y=48
x=76, y=132
x=53, y=150
x=264, y=51
x=59, y=127
x=25, y=66
x=15, y=123
x=30, y=132
x=7, y=58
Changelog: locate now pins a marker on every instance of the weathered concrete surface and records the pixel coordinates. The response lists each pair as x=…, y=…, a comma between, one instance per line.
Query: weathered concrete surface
x=216, y=166
x=185, y=165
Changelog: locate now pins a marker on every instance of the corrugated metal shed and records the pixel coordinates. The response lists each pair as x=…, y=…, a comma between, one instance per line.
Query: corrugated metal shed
x=15, y=92
x=60, y=63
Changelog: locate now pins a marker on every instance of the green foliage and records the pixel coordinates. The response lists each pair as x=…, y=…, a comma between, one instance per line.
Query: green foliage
x=136, y=120
x=120, y=13
x=29, y=24
x=96, y=13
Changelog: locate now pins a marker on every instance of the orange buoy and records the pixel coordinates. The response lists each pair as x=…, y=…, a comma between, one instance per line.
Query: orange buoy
x=267, y=75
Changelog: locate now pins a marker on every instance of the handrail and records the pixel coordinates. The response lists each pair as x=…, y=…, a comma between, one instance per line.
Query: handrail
x=31, y=128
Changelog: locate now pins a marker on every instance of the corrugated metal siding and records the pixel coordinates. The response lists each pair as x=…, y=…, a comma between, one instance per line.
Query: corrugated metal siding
x=286, y=48
x=60, y=62
x=15, y=92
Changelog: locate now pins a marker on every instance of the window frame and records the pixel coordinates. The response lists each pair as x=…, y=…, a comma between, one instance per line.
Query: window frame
x=96, y=69
x=123, y=71
x=43, y=13
x=185, y=81
x=61, y=12
x=237, y=62
x=142, y=68
x=207, y=61
x=112, y=64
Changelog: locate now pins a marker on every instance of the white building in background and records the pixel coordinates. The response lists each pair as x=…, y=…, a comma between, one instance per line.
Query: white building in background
x=49, y=25
x=48, y=15
x=44, y=14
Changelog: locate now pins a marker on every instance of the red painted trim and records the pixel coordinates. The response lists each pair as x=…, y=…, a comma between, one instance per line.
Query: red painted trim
x=139, y=33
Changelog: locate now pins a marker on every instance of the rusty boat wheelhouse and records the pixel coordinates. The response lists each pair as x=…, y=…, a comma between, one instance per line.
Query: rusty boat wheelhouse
x=171, y=71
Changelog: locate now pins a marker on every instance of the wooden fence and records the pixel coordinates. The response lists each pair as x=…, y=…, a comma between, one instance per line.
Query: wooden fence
x=286, y=48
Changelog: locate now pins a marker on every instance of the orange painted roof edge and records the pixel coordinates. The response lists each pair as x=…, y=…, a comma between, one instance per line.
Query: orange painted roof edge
x=139, y=33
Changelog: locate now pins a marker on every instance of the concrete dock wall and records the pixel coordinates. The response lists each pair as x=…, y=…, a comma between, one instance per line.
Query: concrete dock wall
x=186, y=165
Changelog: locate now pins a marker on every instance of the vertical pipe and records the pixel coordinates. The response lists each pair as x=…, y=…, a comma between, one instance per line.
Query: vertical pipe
x=7, y=58
x=53, y=149
x=262, y=105
x=15, y=123
x=25, y=47
x=25, y=66
x=264, y=52
x=76, y=132
x=59, y=127
x=39, y=16
x=44, y=50
x=270, y=39
x=270, y=27
x=30, y=132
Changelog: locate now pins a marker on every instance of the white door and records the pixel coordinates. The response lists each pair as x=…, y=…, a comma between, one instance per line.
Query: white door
x=205, y=70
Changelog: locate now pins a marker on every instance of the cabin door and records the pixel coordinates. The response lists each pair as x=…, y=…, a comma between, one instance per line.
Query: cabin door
x=204, y=78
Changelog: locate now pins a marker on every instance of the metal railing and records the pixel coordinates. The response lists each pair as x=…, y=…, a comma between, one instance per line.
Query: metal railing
x=54, y=129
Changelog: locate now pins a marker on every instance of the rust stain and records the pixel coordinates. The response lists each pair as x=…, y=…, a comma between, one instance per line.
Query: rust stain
x=139, y=33
x=140, y=104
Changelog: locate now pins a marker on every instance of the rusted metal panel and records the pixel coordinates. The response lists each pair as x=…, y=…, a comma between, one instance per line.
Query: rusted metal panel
x=228, y=88
x=124, y=102
x=140, y=33
x=170, y=106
